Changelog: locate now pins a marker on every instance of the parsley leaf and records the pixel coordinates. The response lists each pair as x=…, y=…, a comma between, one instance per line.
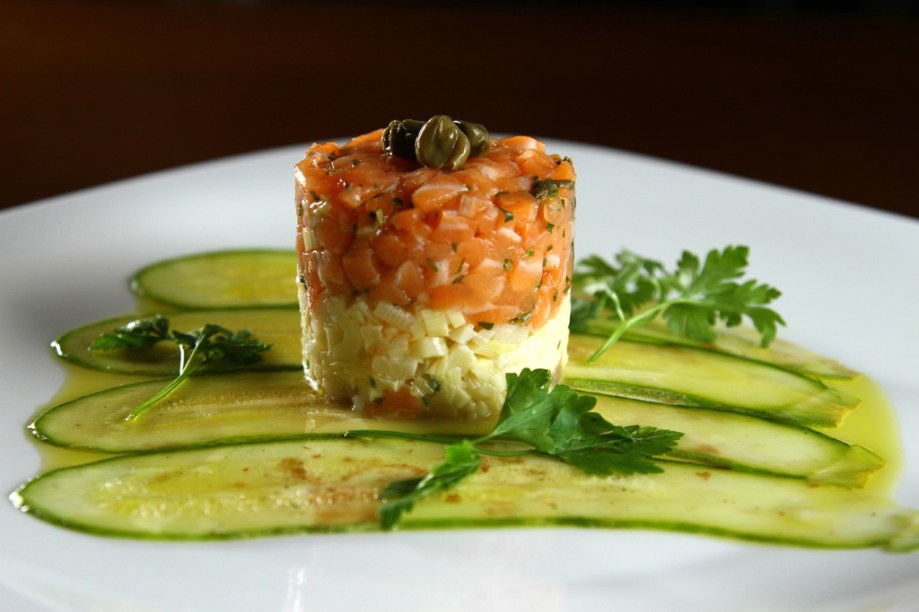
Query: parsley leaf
x=692, y=298
x=460, y=460
x=528, y=410
x=210, y=346
x=139, y=334
x=557, y=422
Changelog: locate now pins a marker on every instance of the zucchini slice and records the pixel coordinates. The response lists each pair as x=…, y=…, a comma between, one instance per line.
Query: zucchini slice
x=278, y=327
x=742, y=442
x=704, y=378
x=740, y=341
x=334, y=485
x=244, y=278
x=216, y=409
x=251, y=407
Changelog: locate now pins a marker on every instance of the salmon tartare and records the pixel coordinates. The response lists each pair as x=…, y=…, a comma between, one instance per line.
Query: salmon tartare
x=421, y=283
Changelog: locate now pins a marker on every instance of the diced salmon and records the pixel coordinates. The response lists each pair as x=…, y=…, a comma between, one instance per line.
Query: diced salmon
x=418, y=177
x=331, y=274
x=563, y=172
x=334, y=231
x=523, y=142
x=309, y=272
x=487, y=280
x=388, y=291
x=457, y=296
x=398, y=404
x=525, y=274
x=409, y=279
x=453, y=228
x=372, y=140
x=411, y=220
x=474, y=251
x=514, y=185
x=476, y=181
x=362, y=267
x=496, y=167
x=437, y=194
x=476, y=240
x=498, y=314
x=536, y=163
x=521, y=205
x=390, y=249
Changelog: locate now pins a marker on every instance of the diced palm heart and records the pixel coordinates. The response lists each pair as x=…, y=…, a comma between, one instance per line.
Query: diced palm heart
x=398, y=249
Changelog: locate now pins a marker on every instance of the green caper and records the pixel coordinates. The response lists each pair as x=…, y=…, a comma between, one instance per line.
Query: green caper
x=399, y=137
x=441, y=144
x=460, y=152
x=477, y=134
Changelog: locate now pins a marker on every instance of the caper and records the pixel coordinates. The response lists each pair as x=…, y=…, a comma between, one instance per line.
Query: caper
x=460, y=152
x=399, y=137
x=438, y=142
x=477, y=134
x=441, y=144
x=412, y=125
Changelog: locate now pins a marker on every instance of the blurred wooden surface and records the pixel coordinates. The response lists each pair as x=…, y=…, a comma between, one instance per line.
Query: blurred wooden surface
x=92, y=92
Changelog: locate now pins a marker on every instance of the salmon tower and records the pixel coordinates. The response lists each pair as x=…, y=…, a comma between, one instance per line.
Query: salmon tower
x=433, y=260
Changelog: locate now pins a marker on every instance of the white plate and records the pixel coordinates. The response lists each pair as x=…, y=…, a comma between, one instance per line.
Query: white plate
x=851, y=283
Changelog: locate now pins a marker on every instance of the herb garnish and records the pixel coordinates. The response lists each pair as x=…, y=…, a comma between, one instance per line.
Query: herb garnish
x=535, y=420
x=548, y=188
x=206, y=347
x=692, y=298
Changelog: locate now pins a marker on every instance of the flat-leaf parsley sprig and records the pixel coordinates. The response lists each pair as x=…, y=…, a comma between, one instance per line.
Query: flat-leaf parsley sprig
x=210, y=346
x=557, y=422
x=692, y=298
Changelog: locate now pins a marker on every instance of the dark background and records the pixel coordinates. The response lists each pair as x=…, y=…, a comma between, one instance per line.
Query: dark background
x=791, y=93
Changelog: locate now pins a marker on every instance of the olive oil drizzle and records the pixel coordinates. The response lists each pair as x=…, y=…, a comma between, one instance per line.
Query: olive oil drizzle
x=873, y=424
